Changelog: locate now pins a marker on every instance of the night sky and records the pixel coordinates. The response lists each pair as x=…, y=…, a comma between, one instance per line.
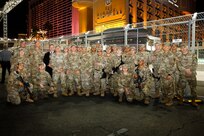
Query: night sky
x=17, y=18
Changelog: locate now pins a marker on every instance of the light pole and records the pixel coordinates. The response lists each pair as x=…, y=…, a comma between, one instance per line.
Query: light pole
x=6, y=9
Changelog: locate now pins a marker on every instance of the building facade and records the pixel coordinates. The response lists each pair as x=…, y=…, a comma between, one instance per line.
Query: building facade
x=80, y=16
x=56, y=13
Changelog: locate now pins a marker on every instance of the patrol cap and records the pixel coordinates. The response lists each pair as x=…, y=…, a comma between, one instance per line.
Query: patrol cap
x=125, y=66
x=183, y=45
x=167, y=44
x=41, y=63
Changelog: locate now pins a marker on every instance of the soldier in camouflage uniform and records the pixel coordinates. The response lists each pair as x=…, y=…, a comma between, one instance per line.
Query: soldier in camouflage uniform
x=22, y=46
x=43, y=84
x=187, y=66
x=155, y=58
x=37, y=57
x=108, y=65
x=143, y=81
x=21, y=57
x=86, y=71
x=143, y=54
x=177, y=54
x=125, y=84
x=166, y=71
x=15, y=88
x=75, y=64
x=99, y=77
x=129, y=58
x=117, y=61
x=57, y=62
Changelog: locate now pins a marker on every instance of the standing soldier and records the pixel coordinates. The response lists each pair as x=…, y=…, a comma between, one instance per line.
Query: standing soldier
x=166, y=71
x=75, y=64
x=58, y=65
x=99, y=74
x=177, y=54
x=129, y=58
x=86, y=71
x=187, y=66
x=108, y=65
x=21, y=57
x=117, y=62
x=155, y=58
x=37, y=57
x=143, y=54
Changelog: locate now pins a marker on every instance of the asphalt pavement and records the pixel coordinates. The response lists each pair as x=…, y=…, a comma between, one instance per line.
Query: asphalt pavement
x=96, y=116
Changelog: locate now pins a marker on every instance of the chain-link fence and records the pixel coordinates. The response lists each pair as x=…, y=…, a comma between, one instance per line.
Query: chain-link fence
x=188, y=29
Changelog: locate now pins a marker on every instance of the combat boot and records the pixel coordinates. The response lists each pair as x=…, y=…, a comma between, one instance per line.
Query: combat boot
x=164, y=100
x=193, y=103
x=64, y=94
x=120, y=98
x=96, y=93
x=87, y=93
x=115, y=94
x=157, y=95
x=147, y=101
x=169, y=102
x=180, y=100
x=102, y=94
x=29, y=100
x=79, y=92
x=71, y=93
x=55, y=95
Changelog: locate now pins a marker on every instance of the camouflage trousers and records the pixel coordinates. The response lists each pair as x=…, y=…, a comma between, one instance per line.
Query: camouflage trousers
x=86, y=82
x=59, y=77
x=129, y=95
x=41, y=92
x=167, y=88
x=113, y=83
x=70, y=84
x=143, y=90
x=99, y=84
x=176, y=83
x=191, y=81
x=13, y=97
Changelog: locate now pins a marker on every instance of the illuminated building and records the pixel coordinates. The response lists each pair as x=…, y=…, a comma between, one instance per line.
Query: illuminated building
x=117, y=13
x=80, y=16
x=57, y=12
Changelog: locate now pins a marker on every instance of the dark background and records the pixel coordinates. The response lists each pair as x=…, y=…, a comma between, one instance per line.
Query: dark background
x=17, y=18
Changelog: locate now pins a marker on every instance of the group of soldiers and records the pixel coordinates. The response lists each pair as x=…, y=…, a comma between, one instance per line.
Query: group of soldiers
x=120, y=70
